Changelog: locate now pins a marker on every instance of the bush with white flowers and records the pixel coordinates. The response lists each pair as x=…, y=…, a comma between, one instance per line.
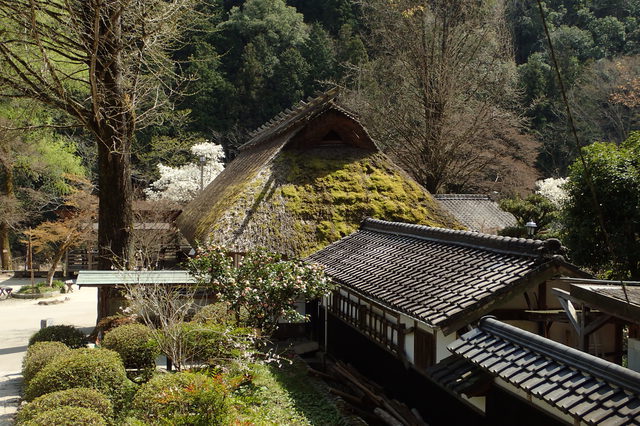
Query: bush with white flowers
x=553, y=189
x=182, y=184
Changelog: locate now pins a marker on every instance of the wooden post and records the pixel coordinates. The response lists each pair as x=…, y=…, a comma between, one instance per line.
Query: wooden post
x=30, y=249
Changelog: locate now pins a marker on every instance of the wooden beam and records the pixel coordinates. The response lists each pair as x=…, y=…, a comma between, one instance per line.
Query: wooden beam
x=555, y=315
x=596, y=324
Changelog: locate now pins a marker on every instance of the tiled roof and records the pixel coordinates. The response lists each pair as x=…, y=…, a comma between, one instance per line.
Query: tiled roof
x=588, y=388
x=433, y=274
x=458, y=375
x=477, y=212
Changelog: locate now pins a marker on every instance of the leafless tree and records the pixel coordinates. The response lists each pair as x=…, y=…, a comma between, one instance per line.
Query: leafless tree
x=165, y=308
x=606, y=100
x=106, y=64
x=437, y=94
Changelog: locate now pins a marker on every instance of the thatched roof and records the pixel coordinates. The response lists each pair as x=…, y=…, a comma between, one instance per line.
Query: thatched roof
x=305, y=179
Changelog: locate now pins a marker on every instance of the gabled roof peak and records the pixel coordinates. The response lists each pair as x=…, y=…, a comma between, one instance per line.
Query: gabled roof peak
x=495, y=243
x=291, y=116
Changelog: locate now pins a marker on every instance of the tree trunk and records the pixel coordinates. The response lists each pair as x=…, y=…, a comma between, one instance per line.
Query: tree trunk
x=6, y=176
x=113, y=124
x=54, y=263
x=115, y=213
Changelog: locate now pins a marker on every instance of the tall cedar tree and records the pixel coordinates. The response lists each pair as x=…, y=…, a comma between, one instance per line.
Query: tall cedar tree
x=105, y=63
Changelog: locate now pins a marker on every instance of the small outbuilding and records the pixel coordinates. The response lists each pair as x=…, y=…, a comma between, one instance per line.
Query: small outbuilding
x=305, y=179
x=478, y=212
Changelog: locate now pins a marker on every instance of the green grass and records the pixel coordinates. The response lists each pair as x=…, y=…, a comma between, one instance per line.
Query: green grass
x=283, y=396
x=41, y=287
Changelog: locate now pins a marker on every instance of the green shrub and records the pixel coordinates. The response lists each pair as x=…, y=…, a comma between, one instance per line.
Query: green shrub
x=67, y=416
x=211, y=343
x=215, y=312
x=74, y=397
x=135, y=344
x=182, y=399
x=66, y=334
x=107, y=324
x=39, y=355
x=99, y=369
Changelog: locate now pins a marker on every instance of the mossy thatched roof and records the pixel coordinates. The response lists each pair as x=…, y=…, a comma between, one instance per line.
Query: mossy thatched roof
x=306, y=179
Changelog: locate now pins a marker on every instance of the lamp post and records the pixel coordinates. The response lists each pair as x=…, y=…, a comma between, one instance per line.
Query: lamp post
x=531, y=227
x=202, y=161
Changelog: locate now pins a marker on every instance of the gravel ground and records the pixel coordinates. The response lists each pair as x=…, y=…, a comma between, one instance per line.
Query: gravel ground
x=19, y=319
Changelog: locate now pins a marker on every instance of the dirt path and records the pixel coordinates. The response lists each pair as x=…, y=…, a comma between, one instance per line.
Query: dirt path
x=19, y=319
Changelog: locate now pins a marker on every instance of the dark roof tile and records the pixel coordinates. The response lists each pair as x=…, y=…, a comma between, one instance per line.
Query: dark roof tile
x=447, y=273
x=477, y=212
x=586, y=387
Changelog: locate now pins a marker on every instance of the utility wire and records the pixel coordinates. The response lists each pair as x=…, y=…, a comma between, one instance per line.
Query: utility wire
x=585, y=166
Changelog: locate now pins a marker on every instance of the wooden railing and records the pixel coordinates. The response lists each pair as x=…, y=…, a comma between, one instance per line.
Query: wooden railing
x=377, y=326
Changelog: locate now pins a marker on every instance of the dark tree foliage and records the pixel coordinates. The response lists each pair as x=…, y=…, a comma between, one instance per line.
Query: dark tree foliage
x=583, y=34
x=615, y=172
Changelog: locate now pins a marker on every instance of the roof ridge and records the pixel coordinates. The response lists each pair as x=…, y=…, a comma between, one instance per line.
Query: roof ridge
x=462, y=197
x=500, y=244
x=598, y=367
x=288, y=116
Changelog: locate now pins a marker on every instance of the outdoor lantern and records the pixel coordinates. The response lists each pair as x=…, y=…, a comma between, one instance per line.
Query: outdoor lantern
x=531, y=227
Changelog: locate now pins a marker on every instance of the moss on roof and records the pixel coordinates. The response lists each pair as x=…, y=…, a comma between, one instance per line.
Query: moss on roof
x=306, y=199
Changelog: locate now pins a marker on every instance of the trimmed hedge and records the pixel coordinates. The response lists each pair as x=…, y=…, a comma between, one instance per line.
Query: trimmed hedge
x=66, y=334
x=67, y=416
x=99, y=369
x=74, y=397
x=135, y=345
x=39, y=355
x=182, y=398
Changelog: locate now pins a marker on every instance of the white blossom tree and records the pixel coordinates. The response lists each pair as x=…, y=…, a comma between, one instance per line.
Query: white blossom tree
x=183, y=183
x=553, y=189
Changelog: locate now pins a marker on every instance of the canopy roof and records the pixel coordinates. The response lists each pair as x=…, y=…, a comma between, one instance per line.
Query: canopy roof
x=115, y=278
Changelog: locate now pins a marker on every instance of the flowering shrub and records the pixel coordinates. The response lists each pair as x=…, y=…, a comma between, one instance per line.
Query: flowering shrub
x=264, y=288
x=553, y=189
x=183, y=183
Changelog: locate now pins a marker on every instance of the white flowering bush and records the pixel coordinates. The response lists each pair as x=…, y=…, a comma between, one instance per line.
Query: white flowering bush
x=553, y=189
x=182, y=184
x=263, y=288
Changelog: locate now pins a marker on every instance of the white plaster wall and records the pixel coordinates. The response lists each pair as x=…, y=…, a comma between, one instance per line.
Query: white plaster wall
x=442, y=342
x=480, y=402
x=633, y=348
x=408, y=339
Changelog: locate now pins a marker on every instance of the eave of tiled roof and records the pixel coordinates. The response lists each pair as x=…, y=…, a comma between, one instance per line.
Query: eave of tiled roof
x=586, y=387
x=442, y=277
x=494, y=243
